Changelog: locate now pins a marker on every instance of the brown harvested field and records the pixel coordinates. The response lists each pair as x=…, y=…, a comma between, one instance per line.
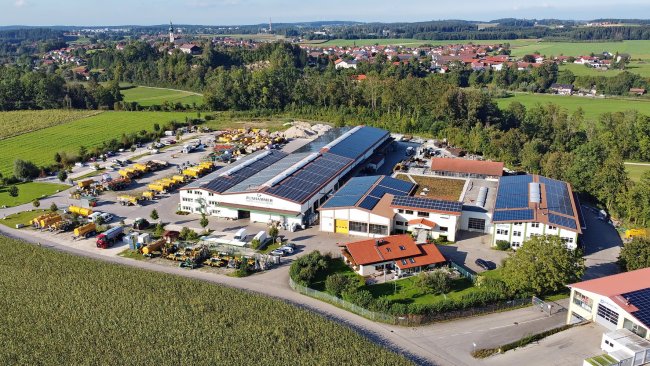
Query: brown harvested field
x=440, y=188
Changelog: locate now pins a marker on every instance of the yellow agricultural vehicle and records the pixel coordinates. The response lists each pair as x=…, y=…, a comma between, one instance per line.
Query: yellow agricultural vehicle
x=142, y=168
x=85, y=231
x=85, y=183
x=127, y=200
x=153, y=247
x=157, y=187
x=149, y=195
x=192, y=172
x=35, y=221
x=178, y=179
x=81, y=211
x=49, y=221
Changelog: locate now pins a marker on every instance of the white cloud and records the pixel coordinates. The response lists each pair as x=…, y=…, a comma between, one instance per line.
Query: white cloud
x=20, y=3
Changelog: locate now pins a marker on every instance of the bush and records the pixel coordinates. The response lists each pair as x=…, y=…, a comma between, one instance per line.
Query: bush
x=188, y=234
x=434, y=282
x=304, y=269
x=338, y=283
x=25, y=170
x=502, y=245
x=255, y=243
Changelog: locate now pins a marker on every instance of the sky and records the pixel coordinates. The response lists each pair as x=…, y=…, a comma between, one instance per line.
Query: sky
x=232, y=12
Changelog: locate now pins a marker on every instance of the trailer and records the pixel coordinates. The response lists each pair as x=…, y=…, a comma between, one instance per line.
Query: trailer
x=85, y=231
x=118, y=184
x=109, y=237
x=149, y=195
x=153, y=247
x=81, y=211
x=127, y=200
x=85, y=183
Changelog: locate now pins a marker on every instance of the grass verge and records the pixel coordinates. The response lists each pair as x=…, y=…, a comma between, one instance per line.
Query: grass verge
x=20, y=218
x=487, y=352
x=27, y=192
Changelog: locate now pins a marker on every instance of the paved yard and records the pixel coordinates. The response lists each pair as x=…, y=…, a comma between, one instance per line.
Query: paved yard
x=602, y=245
x=470, y=247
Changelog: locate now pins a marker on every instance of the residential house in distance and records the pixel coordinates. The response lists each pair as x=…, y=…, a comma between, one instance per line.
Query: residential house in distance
x=344, y=64
x=463, y=168
x=562, y=89
x=190, y=49
x=397, y=253
x=637, y=91
x=532, y=205
x=620, y=303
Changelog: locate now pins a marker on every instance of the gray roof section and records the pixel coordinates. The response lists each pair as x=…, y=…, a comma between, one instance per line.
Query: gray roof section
x=253, y=183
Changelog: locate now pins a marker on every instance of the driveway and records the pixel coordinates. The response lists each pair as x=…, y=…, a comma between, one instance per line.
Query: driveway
x=471, y=246
x=602, y=245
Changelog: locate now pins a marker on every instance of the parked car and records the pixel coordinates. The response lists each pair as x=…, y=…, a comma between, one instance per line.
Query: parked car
x=482, y=263
x=278, y=252
x=108, y=217
x=286, y=249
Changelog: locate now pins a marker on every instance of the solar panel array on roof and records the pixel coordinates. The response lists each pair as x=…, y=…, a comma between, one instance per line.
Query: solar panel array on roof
x=513, y=215
x=221, y=184
x=306, y=181
x=351, y=192
x=558, y=198
x=369, y=202
x=562, y=221
x=373, y=187
x=427, y=204
x=254, y=182
x=641, y=300
x=513, y=192
x=358, y=143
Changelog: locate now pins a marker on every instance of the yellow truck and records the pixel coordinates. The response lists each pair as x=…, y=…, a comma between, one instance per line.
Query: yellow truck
x=168, y=181
x=141, y=167
x=85, y=230
x=85, y=183
x=37, y=220
x=125, y=173
x=80, y=211
x=156, y=187
x=178, y=179
x=127, y=200
x=149, y=195
x=191, y=172
x=49, y=221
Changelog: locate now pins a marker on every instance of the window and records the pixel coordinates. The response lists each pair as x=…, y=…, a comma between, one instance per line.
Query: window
x=400, y=223
x=409, y=212
x=423, y=214
x=401, y=247
x=361, y=227
x=607, y=314
x=552, y=227
x=567, y=240
x=442, y=229
x=400, y=211
x=412, y=260
x=583, y=301
x=210, y=194
x=502, y=232
x=404, y=261
x=535, y=225
x=377, y=229
x=476, y=224
x=518, y=223
x=515, y=244
x=516, y=233
x=634, y=328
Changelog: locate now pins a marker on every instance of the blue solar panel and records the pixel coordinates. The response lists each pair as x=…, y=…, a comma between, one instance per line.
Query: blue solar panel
x=369, y=203
x=558, y=198
x=359, y=142
x=641, y=300
x=513, y=215
x=562, y=221
x=513, y=192
x=221, y=184
x=427, y=204
x=397, y=184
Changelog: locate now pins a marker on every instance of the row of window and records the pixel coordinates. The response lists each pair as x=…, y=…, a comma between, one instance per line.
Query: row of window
x=199, y=193
x=418, y=213
x=363, y=227
x=535, y=225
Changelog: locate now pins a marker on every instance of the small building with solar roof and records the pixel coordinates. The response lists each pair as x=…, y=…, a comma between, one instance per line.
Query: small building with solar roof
x=273, y=185
x=619, y=303
x=530, y=205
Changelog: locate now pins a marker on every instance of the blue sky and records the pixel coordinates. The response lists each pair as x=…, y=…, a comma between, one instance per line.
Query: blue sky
x=227, y=12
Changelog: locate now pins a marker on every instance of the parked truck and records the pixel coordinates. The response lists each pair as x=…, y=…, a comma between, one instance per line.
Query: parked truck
x=109, y=237
x=85, y=231
x=127, y=200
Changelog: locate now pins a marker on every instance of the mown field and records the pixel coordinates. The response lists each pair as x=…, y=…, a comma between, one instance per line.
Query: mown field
x=15, y=123
x=64, y=310
x=634, y=172
x=638, y=67
x=637, y=49
x=592, y=107
x=27, y=192
x=412, y=42
x=40, y=146
x=146, y=96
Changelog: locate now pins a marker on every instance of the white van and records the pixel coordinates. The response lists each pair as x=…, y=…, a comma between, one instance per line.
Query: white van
x=241, y=235
x=261, y=237
x=94, y=216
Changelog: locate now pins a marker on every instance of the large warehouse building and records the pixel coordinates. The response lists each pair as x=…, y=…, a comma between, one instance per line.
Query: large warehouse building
x=273, y=185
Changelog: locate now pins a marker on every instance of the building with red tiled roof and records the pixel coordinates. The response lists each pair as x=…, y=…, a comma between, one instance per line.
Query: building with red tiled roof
x=620, y=303
x=463, y=168
x=398, y=253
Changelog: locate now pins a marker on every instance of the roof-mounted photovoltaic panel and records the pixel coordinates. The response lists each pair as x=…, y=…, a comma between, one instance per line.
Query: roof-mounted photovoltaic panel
x=342, y=137
x=292, y=169
x=558, y=198
x=562, y=221
x=369, y=203
x=513, y=215
x=397, y=184
x=482, y=196
x=641, y=300
x=427, y=204
x=245, y=162
x=534, y=192
x=357, y=143
x=351, y=192
x=513, y=192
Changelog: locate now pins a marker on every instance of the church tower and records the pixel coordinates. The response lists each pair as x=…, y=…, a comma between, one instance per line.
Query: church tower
x=171, y=32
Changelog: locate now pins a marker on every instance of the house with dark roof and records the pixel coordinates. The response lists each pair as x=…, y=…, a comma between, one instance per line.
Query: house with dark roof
x=619, y=303
x=397, y=253
x=531, y=205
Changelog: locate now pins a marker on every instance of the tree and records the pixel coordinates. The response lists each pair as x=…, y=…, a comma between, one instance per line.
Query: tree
x=62, y=175
x=635, y=255
x=25, y=170
x=434, y=282
x=273, y=232
x=13, y=191
x=204, y=221
x=542, y=265
x=36, y=203
x=338, y=283
x=156, y=127
x=154, y=215
x=58, y=158
x=54, y=207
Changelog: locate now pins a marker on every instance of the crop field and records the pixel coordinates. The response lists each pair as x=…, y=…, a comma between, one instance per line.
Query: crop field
x=634, y=171
x=411, y=42
x=27, y=192
x=146, y=96
x=40, y=146
x=60, y=309
x=637, y=49
x=592, y=107
x=433, y=187
x=16, y=123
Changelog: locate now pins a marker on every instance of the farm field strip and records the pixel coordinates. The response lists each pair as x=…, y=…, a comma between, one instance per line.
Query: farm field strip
x=147, y=96
x=14, y=123
x=40, y=146
x=637, y=49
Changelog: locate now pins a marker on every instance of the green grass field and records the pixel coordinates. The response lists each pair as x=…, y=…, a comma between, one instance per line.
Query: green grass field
x=593, y=107
x=15, y=123
x=405, y=291
x=634, y=172
x=637, y=49
x=27, y=192
x=411, y=42
x=20, y=218
x=146, y=96
x=638, y=67
x=58, y=309
x=40, y=146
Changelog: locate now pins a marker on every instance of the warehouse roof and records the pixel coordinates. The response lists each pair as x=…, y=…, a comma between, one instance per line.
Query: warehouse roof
x=533, y=198
x=457, y=165
x=366, y=192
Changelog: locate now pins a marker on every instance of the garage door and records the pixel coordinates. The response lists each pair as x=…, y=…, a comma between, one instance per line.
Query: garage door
x=475, y=224
x=342, y=226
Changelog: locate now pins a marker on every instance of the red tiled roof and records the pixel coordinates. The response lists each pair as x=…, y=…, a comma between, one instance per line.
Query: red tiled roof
x=617, y=284
x=424, y=222
x=381, y=250
x=430, y=255
x=467, y=166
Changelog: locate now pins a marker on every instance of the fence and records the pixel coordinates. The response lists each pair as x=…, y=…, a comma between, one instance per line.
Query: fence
x=408, y=320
